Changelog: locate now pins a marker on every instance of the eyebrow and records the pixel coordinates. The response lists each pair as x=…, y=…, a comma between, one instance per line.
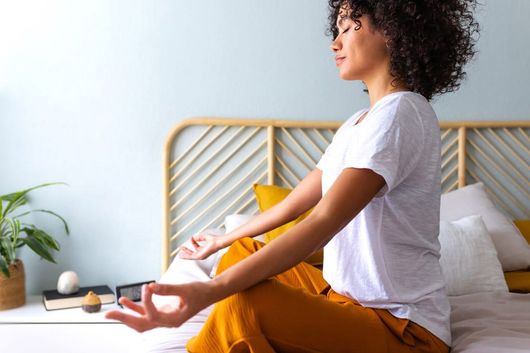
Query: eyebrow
x=341, y=20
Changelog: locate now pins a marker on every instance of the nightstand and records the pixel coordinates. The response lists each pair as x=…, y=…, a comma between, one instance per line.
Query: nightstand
x=31, y=328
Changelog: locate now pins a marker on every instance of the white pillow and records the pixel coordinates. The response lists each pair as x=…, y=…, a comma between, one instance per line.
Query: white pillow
x=512, y=249
x=233, y=221
x=468, y=258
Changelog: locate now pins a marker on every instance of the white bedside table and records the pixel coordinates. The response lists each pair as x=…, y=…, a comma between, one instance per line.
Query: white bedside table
x=31, y=328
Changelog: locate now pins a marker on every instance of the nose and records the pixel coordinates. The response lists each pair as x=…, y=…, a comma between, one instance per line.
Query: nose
x=335, y=45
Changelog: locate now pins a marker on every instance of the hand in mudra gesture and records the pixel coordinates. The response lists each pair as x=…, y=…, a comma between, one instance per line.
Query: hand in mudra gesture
x=203, y=246
x=191, y=298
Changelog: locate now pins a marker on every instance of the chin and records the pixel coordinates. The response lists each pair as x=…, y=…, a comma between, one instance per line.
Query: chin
x=348, y=75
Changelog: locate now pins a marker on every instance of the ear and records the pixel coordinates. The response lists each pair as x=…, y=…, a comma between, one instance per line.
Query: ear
x=386, y=38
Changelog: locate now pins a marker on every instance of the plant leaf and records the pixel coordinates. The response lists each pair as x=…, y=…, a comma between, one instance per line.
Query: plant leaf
x=11, y=196
x=4, y=267
x=4, y=251
x=7, y=250
x=3, y=224
x=46, y=239
x=67, y=230
x=19, y=243
x=39, y=248
x=17, y=199
x=16, y=202
x=7, y=244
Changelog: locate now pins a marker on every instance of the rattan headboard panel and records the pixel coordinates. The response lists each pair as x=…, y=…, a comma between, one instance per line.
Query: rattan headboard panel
x=210, y=165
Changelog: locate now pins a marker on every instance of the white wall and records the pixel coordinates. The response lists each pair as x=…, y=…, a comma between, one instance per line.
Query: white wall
x=89, y=89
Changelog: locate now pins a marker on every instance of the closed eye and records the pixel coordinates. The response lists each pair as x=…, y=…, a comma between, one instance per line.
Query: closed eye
x=341, y=33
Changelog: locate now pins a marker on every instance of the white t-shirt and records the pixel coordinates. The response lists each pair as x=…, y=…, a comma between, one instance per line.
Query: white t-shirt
x=387, y=256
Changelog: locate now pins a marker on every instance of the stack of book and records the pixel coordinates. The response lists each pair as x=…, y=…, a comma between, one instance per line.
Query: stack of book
x=54, y=300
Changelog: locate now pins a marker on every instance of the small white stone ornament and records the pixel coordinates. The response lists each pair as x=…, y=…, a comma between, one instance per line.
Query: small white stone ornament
x=68, y=283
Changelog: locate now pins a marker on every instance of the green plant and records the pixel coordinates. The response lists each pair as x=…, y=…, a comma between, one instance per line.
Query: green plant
x=14, y=233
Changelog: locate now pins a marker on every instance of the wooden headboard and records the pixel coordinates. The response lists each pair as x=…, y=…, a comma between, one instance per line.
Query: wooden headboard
x=210, y=165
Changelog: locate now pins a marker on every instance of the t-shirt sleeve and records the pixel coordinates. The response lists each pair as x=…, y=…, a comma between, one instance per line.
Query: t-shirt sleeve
x=390, y=144
x=320, y=164
x=323, y=160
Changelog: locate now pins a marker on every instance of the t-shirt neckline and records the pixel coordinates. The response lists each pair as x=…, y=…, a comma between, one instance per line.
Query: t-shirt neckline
x=368, y=110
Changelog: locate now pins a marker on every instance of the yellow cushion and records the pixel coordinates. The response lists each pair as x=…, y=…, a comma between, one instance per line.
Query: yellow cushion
x=268, y=196
x=524, y=227
x=519, y=281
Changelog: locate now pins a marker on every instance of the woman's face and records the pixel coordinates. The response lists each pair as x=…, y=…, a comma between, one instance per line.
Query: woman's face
x=360, y=50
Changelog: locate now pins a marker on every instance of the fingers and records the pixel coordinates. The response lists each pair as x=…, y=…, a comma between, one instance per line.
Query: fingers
x=150, y=316
x=162, y=289
x=185, y=253
x=198, y=247
x=139, y=324
x=194, y=243
x=200, y=254
x=115, y=315
x=150, y=309
x=132, y=305
x=199, y=237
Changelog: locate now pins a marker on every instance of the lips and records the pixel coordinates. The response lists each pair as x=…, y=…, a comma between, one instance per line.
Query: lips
x=339, y=60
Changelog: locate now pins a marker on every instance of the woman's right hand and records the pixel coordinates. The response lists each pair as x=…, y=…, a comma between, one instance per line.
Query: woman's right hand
x=203, y=246
x=191, y=298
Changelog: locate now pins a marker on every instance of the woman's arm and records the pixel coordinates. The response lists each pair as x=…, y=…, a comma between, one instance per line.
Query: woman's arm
x=350, y=193
x=305, y=196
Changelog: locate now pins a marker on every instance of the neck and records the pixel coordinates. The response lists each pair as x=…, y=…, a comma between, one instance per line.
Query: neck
x=381, y=85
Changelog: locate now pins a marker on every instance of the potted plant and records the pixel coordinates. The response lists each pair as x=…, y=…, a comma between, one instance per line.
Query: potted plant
x=14, y=233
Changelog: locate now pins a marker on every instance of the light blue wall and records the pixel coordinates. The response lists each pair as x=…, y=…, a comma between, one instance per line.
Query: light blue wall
x=89, y=89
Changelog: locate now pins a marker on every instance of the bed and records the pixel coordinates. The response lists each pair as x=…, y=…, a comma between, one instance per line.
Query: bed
x=211, y=165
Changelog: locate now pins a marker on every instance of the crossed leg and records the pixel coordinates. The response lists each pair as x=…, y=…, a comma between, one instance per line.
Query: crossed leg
x=296, y=311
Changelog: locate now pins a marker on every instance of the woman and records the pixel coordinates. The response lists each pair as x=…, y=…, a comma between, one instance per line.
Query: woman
x=376, y=192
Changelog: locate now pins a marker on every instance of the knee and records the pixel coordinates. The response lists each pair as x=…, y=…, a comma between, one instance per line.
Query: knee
x=246, y=246
x=239, y=250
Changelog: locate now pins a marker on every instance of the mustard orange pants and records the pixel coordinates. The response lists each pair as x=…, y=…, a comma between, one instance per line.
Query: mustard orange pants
x=297, y=311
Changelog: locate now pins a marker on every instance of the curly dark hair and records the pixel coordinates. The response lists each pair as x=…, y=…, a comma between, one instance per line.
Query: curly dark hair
x=430, y=41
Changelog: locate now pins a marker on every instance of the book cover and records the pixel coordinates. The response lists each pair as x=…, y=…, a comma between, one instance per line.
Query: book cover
x=54, y=300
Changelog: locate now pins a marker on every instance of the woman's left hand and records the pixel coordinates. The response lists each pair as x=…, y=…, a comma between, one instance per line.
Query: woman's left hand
x=191, y=298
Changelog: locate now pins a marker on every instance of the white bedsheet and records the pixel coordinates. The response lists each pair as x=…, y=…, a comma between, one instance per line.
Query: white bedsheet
x=490, y=323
